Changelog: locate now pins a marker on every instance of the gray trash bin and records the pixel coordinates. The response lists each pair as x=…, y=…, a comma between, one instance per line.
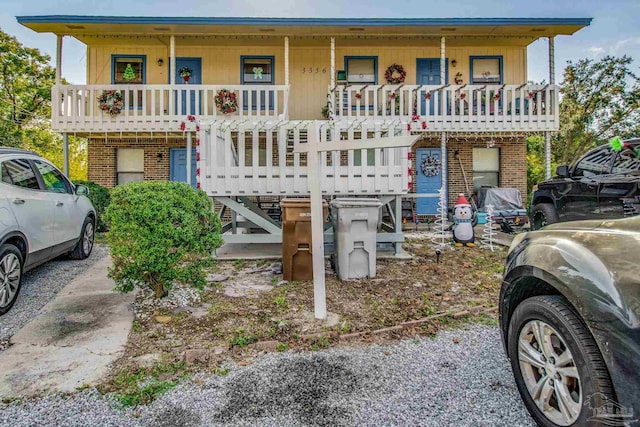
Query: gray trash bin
x=355, y=225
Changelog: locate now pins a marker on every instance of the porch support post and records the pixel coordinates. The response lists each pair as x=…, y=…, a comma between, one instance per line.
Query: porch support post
x=172, y=60
x=189, y=144
x=332, y=80
x=59, y=59
x=398, y=223
x=317, y=221
x=547, y=135
x=65, y=153
x=443, y=135
x=286, y=60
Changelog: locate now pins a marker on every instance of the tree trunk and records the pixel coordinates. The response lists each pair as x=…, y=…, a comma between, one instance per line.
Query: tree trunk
x=158, y=287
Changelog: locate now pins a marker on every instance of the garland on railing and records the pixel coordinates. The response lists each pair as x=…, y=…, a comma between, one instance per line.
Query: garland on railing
x=226, y=101
x=395, y=74
x=111, y=101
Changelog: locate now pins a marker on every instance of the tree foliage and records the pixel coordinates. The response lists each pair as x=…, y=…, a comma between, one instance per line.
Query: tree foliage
x=599, y=100
x=160, y=232
x=25, y=106
x=100, y=198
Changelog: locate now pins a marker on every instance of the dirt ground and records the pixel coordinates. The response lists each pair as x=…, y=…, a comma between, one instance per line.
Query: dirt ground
x=248, y=309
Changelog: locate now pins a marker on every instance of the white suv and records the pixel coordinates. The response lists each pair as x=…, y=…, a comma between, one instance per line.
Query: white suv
x=42, y=215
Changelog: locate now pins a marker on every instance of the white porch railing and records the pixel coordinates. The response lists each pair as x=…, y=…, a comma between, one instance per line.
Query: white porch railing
x=463, y=108
x=159, y=107
x=244, y=160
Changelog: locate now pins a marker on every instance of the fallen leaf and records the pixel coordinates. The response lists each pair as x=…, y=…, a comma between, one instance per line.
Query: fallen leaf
x=163, y=319
x=456, y=340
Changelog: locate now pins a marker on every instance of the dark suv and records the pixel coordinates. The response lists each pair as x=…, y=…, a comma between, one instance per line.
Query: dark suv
x=602, y=184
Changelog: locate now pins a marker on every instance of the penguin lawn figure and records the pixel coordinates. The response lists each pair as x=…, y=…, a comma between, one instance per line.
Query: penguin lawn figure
x=462, y=226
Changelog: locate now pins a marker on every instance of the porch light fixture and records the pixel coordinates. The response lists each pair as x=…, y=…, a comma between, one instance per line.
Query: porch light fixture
x=454, y=63
x=160, y=62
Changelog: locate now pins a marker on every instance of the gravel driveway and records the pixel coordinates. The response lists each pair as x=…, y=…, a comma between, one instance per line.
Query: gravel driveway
x=41, y=285
x=427, y=382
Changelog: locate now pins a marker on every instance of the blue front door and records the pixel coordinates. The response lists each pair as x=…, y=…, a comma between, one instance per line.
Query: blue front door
x=427, y=73
x=178, y=165
x=195, y=67
x=428, y=179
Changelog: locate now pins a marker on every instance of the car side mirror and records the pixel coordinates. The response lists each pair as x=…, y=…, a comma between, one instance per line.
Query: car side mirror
x=82, y=190
x=562, y=171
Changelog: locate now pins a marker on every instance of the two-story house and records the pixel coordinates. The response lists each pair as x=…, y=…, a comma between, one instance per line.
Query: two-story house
x=221, y=103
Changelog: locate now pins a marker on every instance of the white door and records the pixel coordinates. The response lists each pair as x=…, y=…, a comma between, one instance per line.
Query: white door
x=32, y=207
x=67, y=216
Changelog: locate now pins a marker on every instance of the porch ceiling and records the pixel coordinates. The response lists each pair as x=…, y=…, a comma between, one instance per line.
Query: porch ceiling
x=85, y=26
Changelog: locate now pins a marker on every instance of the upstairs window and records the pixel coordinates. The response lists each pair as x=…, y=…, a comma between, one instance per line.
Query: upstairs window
x=486, y=69
x=361, y=69
x=128, y=69
x=257, y=70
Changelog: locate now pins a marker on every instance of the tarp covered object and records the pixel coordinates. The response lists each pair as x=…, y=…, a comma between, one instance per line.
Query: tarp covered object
x=502, y=199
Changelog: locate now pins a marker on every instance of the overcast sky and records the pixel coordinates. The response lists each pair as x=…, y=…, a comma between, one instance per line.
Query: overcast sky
x=615, y=29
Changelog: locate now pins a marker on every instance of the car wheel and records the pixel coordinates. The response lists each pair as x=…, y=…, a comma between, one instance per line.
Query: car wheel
x=85, y=244
x=557, y=366
x=10, y=276
x=543, y=214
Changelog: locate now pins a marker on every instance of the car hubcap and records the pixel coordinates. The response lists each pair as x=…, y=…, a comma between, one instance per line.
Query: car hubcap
x=87, y=239
x=549, y=372
x=9, y=278
x=540, y=220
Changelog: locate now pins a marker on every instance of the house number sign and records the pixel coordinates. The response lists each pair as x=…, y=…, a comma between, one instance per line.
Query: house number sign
x=311, y=70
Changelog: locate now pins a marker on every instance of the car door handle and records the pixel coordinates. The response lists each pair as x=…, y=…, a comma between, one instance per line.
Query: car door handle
x=18, y=201
x=59, y=203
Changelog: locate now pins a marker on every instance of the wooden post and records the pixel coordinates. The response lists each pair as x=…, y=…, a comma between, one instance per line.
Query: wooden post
x=65, y=153
x=59, y=59
x=443, y=135
x=317, y=225
x=547, y=135
x=172, y=60
x=332, y=79
x=286, y=60
x=189, y=145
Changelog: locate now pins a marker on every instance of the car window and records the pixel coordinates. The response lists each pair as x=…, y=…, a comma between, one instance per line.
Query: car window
x=596, y=162
x=627, y=161
x=53, y=179
x=20, y=174
x=5, y=175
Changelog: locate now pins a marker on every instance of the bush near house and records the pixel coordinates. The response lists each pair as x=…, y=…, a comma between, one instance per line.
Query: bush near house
x=160, y=232
x=100, y=197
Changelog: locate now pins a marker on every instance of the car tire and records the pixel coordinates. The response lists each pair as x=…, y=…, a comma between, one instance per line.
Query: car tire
x=567, y=363
x=11, y=264
x=83, y=248
x=543, y=214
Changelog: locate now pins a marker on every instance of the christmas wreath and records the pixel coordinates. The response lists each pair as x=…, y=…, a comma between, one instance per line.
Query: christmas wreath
x=395, y=74
x=430, y=166
x=185, y=72
x=226, y=101
x=111, y=101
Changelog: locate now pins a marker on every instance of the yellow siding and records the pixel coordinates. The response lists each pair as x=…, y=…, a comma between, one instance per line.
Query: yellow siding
x=309, y=64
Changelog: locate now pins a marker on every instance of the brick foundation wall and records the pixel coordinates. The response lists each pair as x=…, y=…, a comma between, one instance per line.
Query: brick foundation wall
x=102, y=158
x=513, y=162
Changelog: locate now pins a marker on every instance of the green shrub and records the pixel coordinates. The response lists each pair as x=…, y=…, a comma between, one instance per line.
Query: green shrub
x=160, y=232
x=100, y=197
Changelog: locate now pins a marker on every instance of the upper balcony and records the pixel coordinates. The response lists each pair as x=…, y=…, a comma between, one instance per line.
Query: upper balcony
x=161, y=108
x=450, y=108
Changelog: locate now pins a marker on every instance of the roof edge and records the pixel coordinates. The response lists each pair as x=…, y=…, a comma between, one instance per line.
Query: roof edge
x=372, y=22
